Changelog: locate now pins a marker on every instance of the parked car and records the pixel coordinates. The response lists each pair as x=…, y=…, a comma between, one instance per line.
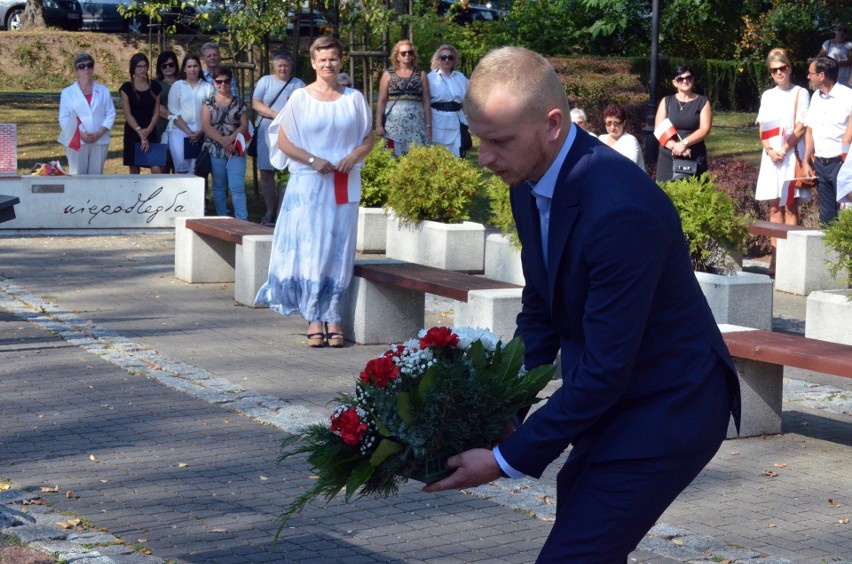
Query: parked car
x=465, y=13
x=103, y=15
x=57, y=13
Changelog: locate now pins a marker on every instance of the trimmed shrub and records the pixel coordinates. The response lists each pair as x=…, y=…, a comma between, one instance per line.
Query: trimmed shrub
x=378, y=167
x=429, y=183
x=501, y=209
x=838, y=238
x=709, y=220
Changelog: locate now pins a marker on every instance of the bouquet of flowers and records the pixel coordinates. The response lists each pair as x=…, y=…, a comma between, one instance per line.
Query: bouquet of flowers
x=52, y=168
x=415, y=406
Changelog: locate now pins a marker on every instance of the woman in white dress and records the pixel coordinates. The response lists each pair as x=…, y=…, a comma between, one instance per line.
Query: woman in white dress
x=781, y=117
x=186, y=97
x=269, y=97
x=323, y=135
x=447, y=88
x=615, y=117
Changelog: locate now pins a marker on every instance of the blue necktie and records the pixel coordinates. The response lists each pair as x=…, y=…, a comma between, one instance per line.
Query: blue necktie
x=543, y=205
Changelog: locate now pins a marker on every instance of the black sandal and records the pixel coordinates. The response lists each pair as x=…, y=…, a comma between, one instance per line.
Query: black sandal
x=335, y=340
x=316, y=340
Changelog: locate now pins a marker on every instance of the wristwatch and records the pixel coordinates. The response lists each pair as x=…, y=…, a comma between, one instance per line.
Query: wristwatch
x=311, y=160
x=685, y=141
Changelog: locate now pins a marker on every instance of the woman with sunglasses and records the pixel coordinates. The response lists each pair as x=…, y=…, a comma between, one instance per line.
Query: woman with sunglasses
x=839, y=49
x=447, y=88
x=615, y=117
x=403, y=111
x=167, y=74
x=691, y=115
x=782, y=113
x=224, y=118
x=185, y=99
x=86, y=115
x=140, y=102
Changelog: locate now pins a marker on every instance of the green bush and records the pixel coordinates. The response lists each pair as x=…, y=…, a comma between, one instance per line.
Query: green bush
x=378, y=167
x=429, y=183
x=501, y=209
x=838, y=238
x=709, y=220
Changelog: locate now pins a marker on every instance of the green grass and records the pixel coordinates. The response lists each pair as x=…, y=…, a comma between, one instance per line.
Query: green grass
x=734, y=135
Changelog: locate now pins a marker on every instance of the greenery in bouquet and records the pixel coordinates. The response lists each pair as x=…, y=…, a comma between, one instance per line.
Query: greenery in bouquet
x=416, y=405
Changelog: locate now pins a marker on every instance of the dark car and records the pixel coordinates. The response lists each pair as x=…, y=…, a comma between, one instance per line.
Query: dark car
x=57, y=13
x=464, y=13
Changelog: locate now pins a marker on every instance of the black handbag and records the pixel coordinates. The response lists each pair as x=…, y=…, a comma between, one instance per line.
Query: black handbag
x=683, y=168
x=203, y=164
x=466, y=140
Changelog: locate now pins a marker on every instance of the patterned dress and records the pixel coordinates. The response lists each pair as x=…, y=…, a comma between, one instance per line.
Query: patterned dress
x=406, y=122
x=313, y=247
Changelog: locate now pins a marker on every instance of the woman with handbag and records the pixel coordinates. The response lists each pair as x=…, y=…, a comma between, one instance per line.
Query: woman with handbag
x=269, y=97
x=692, y=116
x=224, y=118
x=781, y=117
x=447, y=88
x=185, y=99
x=140, y=102
x=403, y=110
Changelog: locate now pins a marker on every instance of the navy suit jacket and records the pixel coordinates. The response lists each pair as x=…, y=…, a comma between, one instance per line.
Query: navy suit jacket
x=640, y=348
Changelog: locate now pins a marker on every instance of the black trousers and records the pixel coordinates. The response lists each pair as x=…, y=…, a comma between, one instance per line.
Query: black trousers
x=827, y=190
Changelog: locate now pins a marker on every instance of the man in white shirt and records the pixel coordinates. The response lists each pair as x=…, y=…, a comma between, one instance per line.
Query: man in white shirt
x=212, y=56
x=827, y=117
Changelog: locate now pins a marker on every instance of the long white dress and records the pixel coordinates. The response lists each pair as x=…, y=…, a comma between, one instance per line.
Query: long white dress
x=445, y=125
x=313, y=247
x=777, y=104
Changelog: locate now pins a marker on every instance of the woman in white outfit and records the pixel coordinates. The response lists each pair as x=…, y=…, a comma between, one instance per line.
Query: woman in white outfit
x=447, y=88
x=324, y=135
x=185, y=100
x=615, y=118
x=781, y=117
x=86, y=116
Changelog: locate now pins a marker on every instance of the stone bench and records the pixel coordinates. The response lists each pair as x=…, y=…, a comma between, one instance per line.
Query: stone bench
x=761, y=356
x=223, y=249
x=799, y=257
x=7, y=207
x=386, y=301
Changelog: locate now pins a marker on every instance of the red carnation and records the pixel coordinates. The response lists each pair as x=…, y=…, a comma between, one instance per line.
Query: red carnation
x=395, y=352
x=380, y=371
x=439, y=337
x=349, y=425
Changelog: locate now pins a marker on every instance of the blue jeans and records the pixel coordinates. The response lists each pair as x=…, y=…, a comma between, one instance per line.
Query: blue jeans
x=229, y=173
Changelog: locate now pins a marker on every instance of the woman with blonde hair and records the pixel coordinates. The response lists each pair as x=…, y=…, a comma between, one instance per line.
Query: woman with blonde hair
x=782, y=113
x=447, y=88
x=403, y=111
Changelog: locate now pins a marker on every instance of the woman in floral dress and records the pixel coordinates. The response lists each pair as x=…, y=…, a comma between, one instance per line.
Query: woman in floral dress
x=403, y=111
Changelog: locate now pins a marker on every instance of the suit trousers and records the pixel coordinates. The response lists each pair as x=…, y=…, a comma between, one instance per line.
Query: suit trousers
x=90, y=159
x=604, y=509
x=827, y=190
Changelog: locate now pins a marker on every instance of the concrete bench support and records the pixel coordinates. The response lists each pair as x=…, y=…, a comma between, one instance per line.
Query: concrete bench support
x=761, y=389
x=800, y=264
x=252, y=267
x=496, y=310
x=380, y=314
x=200, y=258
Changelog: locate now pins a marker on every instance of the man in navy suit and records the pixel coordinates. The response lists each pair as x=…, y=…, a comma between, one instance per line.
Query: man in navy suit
x=648, y=386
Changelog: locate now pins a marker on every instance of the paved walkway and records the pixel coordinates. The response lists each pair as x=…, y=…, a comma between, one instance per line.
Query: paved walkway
x=157, y=407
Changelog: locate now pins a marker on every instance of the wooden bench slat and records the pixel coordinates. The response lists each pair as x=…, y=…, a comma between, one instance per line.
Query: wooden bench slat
x=777, y=230
x=228, y=228
x=791, y=350
x=446, y=283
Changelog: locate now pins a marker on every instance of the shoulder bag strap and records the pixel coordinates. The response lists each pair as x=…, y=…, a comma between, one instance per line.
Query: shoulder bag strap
x=286, y=84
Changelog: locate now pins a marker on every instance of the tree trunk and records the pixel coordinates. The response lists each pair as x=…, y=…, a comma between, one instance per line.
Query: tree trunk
x=34, y=14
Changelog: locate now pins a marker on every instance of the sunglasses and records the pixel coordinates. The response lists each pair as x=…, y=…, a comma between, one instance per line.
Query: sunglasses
x=687, y=78
x=168, y=65
x=221, y=81
x=778, y=70
x=406, y=53
x=447, y=58
x=613, y=123
x=84, y=66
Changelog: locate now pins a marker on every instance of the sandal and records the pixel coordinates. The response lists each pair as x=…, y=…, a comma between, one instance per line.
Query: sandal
x=316, y=340
x=335, y=340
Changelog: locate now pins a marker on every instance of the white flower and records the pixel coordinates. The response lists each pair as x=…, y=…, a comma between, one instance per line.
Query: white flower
x=469, y=335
